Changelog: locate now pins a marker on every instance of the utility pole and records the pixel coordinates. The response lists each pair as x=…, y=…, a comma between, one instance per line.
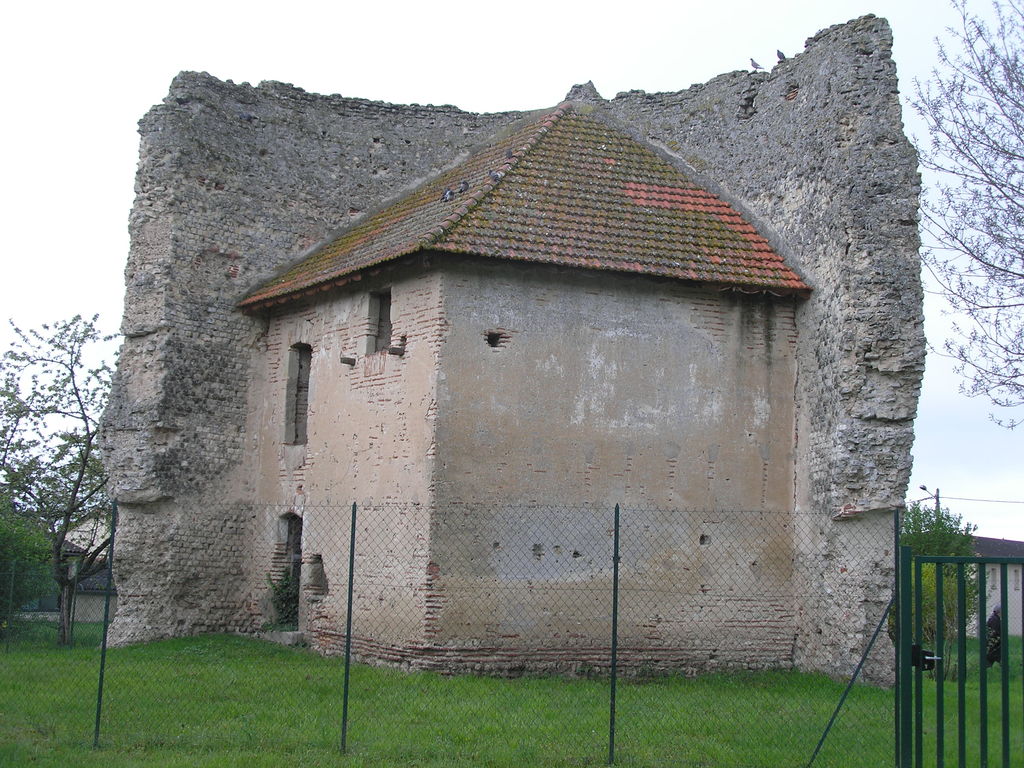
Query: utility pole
x=938, y=508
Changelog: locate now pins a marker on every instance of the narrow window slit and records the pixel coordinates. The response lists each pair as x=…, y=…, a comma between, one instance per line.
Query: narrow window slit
x=300, y=358
x=383, y=336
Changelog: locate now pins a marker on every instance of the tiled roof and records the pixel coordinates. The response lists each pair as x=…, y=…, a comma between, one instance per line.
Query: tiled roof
x=988, y=547
x=567, y=189
x=96, y=583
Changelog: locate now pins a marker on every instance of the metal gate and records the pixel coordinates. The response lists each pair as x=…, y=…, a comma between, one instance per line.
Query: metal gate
x=960, y=676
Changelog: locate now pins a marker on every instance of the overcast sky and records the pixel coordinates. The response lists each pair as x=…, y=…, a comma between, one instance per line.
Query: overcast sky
x=80, y=75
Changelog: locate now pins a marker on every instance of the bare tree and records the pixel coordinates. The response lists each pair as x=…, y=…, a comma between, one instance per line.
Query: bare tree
x=974, y=213
x=50, y=472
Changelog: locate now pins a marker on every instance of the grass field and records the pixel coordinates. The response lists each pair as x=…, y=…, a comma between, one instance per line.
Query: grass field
x=233, y=701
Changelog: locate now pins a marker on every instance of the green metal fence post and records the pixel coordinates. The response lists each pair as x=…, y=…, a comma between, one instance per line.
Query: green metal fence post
x=919, y=681
x=1004, y=660
x=982, y=668
x=348, y=630
x=961, y=663
x=896, y=622
x=106, y=625
x=906, y=721
x=940, y=663
x=10, y=609
x=615, y=638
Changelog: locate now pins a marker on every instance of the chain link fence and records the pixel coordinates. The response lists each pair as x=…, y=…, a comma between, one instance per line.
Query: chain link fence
x=404, y=634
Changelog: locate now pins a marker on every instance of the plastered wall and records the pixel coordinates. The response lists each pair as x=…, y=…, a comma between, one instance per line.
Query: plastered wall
x=527, y=401
x=371, y=438
x=608, y=386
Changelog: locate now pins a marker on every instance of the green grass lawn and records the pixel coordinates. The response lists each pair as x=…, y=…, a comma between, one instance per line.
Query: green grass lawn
x=234, y=701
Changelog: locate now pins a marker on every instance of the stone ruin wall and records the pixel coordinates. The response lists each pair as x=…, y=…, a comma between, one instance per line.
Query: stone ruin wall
x=233, y=180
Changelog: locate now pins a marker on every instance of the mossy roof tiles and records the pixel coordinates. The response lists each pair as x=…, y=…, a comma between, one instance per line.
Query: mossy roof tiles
x=566, y=189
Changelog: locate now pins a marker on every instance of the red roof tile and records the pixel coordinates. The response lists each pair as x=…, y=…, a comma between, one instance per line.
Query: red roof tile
x=563, y=189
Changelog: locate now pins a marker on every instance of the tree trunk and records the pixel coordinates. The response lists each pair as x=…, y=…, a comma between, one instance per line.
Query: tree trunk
x=65, y=598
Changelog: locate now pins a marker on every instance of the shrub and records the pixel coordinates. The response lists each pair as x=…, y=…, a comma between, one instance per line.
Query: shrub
x=284, y=597
x=24, y=571
x=937, y=531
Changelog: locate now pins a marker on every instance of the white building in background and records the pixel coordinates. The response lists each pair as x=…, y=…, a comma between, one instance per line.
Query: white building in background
x=1003, y=548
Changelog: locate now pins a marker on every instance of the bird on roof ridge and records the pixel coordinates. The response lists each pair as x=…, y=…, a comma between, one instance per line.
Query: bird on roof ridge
x=755, y=65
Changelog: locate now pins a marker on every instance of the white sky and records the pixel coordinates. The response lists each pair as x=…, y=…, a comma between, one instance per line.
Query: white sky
x=80, y=75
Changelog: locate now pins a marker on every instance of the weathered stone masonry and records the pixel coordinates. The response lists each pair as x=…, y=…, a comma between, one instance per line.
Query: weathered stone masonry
x=235, y=181
x=816, y=148
x=231, y=181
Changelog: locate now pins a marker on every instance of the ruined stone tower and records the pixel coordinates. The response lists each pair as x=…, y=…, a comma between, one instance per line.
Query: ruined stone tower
x=235, y=183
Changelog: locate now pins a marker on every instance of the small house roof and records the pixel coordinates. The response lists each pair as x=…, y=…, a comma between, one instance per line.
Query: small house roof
x=560, y=188
x=989, y=547
x=97, y=583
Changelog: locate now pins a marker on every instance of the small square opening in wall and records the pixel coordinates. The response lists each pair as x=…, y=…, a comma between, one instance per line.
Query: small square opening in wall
x=497, y=338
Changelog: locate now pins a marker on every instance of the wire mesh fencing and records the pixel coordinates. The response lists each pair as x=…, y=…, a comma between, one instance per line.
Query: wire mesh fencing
x=403, y=633
x=50, y=641
x=37, y=612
